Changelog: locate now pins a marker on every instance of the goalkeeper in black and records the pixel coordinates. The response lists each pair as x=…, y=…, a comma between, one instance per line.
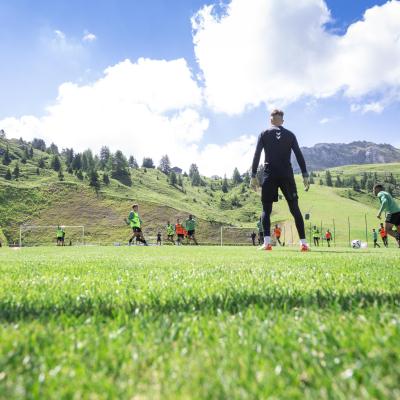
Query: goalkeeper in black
x=278, y=143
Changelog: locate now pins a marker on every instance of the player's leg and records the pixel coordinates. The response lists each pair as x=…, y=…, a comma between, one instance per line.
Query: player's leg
x=394, y=234
x=289, y=190
x=266, y=223
x=269, y=194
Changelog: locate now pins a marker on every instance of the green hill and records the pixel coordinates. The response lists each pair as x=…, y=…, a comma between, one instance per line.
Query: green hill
x=41, y=197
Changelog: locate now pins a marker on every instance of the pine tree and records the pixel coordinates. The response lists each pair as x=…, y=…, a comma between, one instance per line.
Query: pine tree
x=56, y=163
x=8, y=175
x=172, y=178
x=225, y=186
x=26, y=154
x=120, y=168
x=147, y=163
x=133, y=163
x=165, y=165
x=60, y=175
x=104, y=156
x=79, y=174
x=6, y=157
x=236, y=178
x=54, y=149
x=39, y=144
x=196, y=179
x=77, y=162
x=16, y=171
x=41, y=163
x=88, y=162
x=106, y=179
x=193, y=170
x=338, y=182
x=180, y=182
x=328, y=178
x=37, y=171
x=94, y=179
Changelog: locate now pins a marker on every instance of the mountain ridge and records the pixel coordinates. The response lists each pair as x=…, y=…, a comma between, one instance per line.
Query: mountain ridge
x=329, y=155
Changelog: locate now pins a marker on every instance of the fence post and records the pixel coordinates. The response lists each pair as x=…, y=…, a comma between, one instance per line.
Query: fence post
x=322, y=237
x=348, y=222
x=334, y=232
x=284, y=233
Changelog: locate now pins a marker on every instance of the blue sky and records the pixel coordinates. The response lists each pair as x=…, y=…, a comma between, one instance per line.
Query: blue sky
x=43, y=47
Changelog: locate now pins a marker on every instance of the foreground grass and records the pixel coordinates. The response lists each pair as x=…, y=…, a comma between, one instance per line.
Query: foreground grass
x=199, y=323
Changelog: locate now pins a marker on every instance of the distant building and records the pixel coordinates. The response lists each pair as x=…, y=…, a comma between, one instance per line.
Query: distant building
x=177, y=170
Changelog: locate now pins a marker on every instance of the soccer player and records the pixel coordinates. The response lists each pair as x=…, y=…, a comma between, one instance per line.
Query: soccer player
x=60, y=235
x=135, y=222
x=253, y=238
x=389, y=205
x=315, y=235
x=180, y=232
x=383, y=234
x=170, y=232
x=278, y=143
x=375, y=238
x=260, y=231
x=159, y=239
x=277, y=234
x=328, y=237
x=190, y=226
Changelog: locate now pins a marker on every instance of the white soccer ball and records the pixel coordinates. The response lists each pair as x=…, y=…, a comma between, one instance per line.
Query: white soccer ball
x=356, y=244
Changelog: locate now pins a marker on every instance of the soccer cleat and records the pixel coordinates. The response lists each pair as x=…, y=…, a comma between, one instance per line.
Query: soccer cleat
x=305, y=247
x=267, y=247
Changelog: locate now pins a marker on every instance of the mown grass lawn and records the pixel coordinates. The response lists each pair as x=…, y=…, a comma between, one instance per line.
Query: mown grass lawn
x=199, y=322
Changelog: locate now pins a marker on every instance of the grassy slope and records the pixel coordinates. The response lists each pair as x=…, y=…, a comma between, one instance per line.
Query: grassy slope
x=204, y=322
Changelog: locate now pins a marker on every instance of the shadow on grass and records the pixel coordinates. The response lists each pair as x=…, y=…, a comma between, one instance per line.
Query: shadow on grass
x=229, y=301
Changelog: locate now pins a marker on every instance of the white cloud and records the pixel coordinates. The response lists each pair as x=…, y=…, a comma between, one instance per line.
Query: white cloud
x=375, y=107
x=148, y=108
x=59, y=34
x=62, y=46
x=89, y=37
x=275, y=52
x=328, y=120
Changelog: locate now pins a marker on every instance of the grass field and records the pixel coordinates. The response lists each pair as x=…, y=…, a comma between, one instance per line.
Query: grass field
x=199, y=322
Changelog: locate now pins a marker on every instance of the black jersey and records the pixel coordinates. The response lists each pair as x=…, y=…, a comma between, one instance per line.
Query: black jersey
x=278, y=144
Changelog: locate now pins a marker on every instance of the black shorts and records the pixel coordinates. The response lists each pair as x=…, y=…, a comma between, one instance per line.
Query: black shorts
x=270, y=186
x=191, y=233
x=393, y=218
x=170, y=236
x=137, y=230
x=181, y=235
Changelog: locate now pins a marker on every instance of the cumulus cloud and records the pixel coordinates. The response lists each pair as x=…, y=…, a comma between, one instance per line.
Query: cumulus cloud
x=148, y=108
x=89, y=37
x=275, y=52
x=59, y=35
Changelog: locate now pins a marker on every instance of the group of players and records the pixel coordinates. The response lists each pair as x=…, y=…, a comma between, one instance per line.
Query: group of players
x=185, y=232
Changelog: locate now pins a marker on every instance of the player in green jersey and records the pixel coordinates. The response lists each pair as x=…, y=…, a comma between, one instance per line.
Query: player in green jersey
x=170, y=232
x=135, y=222
x=392, y=209
x=190, y=226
